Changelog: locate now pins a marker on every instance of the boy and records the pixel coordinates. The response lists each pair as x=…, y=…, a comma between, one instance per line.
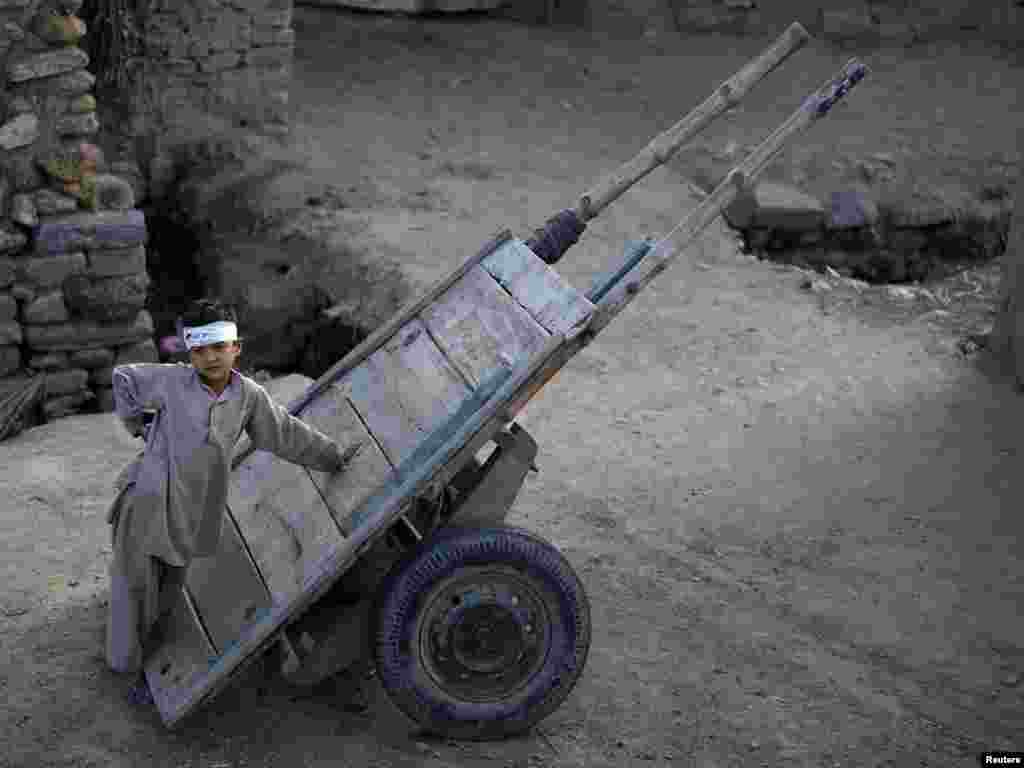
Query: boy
x=171, y=498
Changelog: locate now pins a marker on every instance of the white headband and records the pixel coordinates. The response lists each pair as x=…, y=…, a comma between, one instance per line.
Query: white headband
x=213, y=333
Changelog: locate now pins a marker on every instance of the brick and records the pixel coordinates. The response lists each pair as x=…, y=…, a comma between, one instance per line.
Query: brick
x=141, y=352
x=49, y=361
x=47, y=64
x=10, y=333
x=66, y=405
x=109, y=299
x=51, y=271
x=84, y=124
x=11, y=240
x=8, y=271
x=65, y=382
x=220, y=61
x=104, y=229
x=96, y=357
x=72, y=336
x=47, y=308
x=272, y=35
x=270, y=57
x=22, y=131
x=117, y=262
x=101, y=377
x=10, y=359
x=8, y=308
x=776, y=206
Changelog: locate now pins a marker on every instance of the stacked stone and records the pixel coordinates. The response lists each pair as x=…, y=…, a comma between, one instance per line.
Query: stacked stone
x=871, y=236
x=72, y=246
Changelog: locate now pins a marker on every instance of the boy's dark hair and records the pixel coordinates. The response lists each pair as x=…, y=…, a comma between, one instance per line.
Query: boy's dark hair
x=204, y=311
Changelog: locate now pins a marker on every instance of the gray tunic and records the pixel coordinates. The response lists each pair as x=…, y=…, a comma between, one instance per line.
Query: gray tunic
x=181, y=478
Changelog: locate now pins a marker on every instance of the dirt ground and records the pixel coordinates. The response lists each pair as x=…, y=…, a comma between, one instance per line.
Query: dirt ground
x=793, y=511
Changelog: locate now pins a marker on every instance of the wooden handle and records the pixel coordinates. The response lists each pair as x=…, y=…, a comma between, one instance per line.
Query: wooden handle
x=658, y=152
x=738, y=182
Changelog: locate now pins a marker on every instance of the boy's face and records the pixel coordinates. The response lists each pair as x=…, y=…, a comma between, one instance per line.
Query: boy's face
x=215, y=361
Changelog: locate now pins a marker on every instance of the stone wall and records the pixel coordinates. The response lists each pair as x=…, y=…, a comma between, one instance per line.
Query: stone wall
x=901, y=21
x=870, y=236
x=73, y=276
x=207, y=76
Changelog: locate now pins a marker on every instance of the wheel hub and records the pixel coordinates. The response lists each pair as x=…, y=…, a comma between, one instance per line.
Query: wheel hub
x=483, y=638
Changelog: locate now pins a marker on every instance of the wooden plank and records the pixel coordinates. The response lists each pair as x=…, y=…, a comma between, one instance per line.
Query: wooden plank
x=182, y=660
x=282, y=519
x=227, y=590
x=366, y=472
x=549, y=299
x=405, y=390
x=481, y=328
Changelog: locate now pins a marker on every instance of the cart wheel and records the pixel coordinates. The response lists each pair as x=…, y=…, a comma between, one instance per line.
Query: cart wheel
x=481, y=633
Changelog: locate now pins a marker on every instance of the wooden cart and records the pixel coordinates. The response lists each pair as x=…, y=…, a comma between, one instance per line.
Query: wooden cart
x=478, y=630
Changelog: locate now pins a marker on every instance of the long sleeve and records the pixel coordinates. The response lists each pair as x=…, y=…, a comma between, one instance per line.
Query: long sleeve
x=137, y=388
x=271, y=428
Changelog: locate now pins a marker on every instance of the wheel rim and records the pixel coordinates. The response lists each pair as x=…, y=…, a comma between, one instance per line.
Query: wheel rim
x=484, y=635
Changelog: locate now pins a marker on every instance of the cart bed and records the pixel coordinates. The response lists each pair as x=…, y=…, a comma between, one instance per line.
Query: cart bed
x=422, y=402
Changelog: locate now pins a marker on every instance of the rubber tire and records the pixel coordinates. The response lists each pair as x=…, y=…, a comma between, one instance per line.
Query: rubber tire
x=396, y=655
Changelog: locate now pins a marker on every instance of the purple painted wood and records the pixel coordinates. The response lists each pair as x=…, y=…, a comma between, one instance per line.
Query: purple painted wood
x=87, y=231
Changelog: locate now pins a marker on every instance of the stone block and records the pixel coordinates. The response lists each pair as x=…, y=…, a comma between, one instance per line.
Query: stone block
x=66, y=405
x=113, y=193
x=48, y=64
x=101, y=377
x=47, y=308
x=105, y=400
x=22, y=131
x=218, y=62
x=51, y=271
x=131, y=173
x=23, y=210
x=84, y=124
x=8, y=271
x=21, y=166
x=272, y=35
x=10, y=359
x=906, y=239
x=71, y=336
x=110, y=299
x=140, y=352
x=851, y=208
x=23, y=291
x=11, y=240
x=73, y=83
x=96, y=357
x=778, y=206
x=65, y=382
x=59, y=29
x=19, y=105
x=117, y=262
x=105, y=229
x=10, y=333
x=8, y=307
x=49, y=361
x=51, y=203
x=82, y=104
x=270, y=57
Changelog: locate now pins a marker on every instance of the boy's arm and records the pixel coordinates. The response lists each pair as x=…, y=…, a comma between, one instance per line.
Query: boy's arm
x=271, y=428
x=137, y=388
